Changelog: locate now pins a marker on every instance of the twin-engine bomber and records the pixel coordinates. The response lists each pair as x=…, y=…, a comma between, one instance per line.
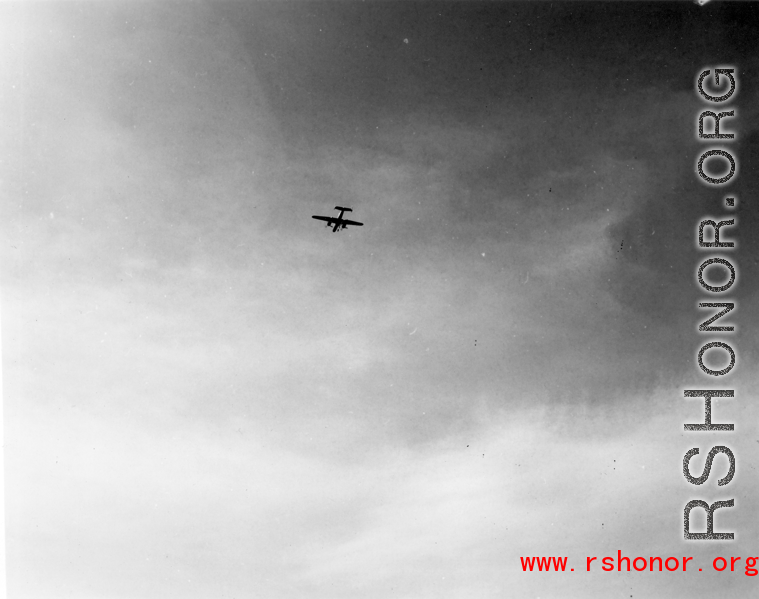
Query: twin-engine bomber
x=338, y=223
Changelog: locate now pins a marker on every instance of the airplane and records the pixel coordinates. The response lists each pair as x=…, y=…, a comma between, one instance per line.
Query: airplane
x=339, y=222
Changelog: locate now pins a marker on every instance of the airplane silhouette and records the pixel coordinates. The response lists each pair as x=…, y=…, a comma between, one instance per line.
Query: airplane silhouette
x=339, y=222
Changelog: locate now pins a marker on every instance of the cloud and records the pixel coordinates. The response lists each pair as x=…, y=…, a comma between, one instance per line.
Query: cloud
x=220, y=396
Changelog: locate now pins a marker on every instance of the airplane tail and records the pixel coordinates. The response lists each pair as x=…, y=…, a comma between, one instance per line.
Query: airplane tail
x=343, y=209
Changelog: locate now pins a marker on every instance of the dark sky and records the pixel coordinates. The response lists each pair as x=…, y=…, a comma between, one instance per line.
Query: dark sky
x=208, y=394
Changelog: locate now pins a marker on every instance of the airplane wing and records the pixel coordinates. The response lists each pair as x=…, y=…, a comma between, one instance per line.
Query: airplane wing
x=353, y=222
x=328, y=219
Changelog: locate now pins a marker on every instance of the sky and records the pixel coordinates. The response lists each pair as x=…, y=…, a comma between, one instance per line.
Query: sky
x=209, y=394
